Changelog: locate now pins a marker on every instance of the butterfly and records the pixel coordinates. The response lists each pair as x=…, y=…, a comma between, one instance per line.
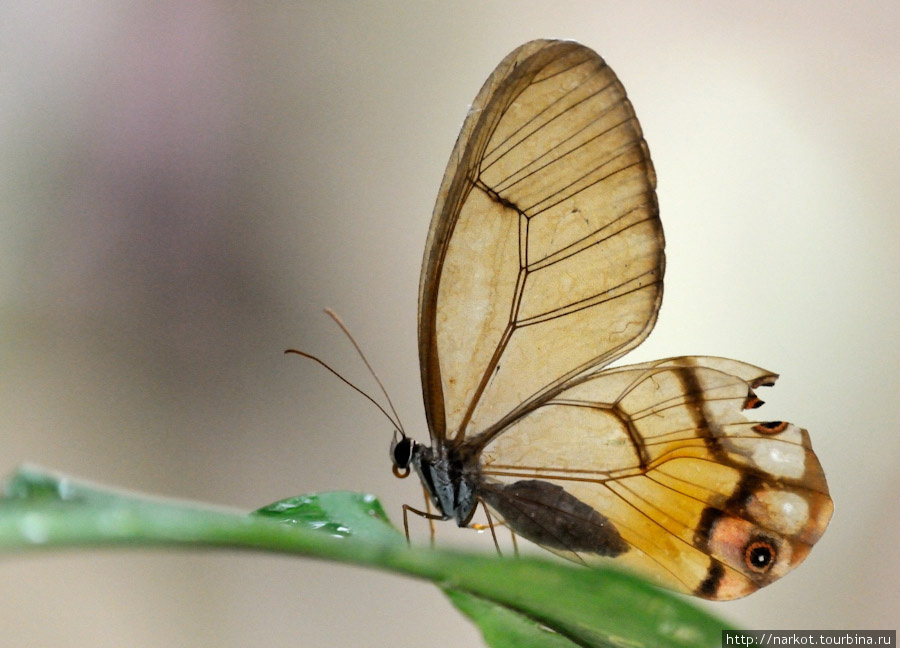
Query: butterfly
x=544, y=264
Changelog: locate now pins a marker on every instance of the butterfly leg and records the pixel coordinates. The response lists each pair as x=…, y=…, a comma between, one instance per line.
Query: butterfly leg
x=427, y=514
x=430, y=517
x=490, y=522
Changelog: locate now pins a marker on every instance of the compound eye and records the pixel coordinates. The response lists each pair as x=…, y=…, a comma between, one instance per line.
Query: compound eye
x=401, y=453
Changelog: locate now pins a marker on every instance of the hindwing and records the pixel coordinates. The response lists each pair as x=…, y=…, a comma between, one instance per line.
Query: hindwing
x=659, y=460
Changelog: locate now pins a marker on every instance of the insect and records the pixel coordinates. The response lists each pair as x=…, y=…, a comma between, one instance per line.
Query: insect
x=544, y=264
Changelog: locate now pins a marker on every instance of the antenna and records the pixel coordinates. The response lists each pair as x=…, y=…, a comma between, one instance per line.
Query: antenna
x=395, y=420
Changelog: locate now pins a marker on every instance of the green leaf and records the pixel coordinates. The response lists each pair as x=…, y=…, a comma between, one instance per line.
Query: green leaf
x=515, y=602
x=340, y=514
x=502, y=627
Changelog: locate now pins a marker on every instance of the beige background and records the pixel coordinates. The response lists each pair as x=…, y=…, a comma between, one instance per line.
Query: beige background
x=183, y=190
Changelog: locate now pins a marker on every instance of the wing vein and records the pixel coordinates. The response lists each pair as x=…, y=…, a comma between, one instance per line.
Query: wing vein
x=495, y=151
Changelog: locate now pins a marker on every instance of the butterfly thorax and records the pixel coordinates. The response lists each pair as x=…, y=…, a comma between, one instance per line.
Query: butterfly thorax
x=449, y=479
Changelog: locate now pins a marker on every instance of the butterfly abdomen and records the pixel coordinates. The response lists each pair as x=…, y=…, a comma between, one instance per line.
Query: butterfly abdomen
x=545, y=513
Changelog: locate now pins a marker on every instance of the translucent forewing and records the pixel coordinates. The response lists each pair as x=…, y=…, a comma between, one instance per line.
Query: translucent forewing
x=545, y=253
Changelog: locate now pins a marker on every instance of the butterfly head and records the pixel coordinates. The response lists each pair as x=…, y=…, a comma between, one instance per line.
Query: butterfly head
x=402, y=451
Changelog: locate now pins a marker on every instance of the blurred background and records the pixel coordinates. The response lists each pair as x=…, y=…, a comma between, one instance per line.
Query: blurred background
x=185, y=186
